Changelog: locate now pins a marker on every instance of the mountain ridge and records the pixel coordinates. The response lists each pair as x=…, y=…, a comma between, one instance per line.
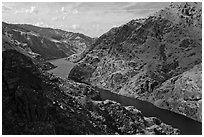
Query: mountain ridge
x=47, y=42
x=135, y=61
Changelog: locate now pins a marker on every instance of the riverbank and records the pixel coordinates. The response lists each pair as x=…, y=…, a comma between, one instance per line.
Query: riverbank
x=184, y=124
x=181, y=122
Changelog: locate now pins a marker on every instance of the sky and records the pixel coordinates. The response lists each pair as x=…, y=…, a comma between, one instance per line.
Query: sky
x=90, y=18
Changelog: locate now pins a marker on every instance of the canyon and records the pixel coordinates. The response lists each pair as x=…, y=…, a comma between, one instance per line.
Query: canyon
x=141, y=78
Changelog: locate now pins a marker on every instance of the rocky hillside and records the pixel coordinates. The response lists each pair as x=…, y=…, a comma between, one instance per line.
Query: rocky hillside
x=35, y=102
x=8, y=44
x=140, y=59
x=47, y=43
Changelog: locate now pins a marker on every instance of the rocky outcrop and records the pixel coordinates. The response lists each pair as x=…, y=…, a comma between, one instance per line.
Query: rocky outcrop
x=127, y=120
x=35, y=102
x=81, y=72
x=137, y=58
x=45, y=65
x=183, y=94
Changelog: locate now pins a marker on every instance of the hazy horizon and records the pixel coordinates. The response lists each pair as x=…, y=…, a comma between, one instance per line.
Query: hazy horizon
x=90, y=18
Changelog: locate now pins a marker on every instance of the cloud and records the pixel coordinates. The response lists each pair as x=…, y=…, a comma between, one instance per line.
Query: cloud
x=75, y=11
x=64, y=17
x=68, y=11
x=75, y=26
x=146, y=5
x=42, y=24
x=64, y=10
x=96, y=26
x=92, y=18
x=31, y=10
x=55, y=18
x=61, y=18
x=5, y=8
x=39, y=24
x=18, y=11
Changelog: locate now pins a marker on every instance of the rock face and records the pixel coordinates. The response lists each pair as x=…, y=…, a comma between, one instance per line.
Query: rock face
x=35, y=102
x=139, y=59
x=46, y=66
x=47, y=43
x=183, y=93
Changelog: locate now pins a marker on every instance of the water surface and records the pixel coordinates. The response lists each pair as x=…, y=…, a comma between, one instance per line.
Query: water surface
x=63, y=67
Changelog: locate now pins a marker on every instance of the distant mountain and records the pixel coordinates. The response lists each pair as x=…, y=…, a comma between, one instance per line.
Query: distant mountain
x=139, y=58
x=47, y=43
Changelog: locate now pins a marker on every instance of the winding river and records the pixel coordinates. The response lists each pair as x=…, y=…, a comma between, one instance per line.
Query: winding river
x=186, y=125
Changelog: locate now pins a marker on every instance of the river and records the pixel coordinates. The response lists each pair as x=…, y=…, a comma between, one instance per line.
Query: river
x=186, y=125
x=63, y=67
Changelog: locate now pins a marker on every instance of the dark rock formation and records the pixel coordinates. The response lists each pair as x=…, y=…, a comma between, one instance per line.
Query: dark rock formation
x=45, y=65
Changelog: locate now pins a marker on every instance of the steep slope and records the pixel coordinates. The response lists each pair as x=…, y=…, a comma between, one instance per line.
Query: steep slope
x=137, y=58
x=47, y=42
x=113, y=37
x=183, y=93
x=78, y=42
x=8, y=44
x=35, y=102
